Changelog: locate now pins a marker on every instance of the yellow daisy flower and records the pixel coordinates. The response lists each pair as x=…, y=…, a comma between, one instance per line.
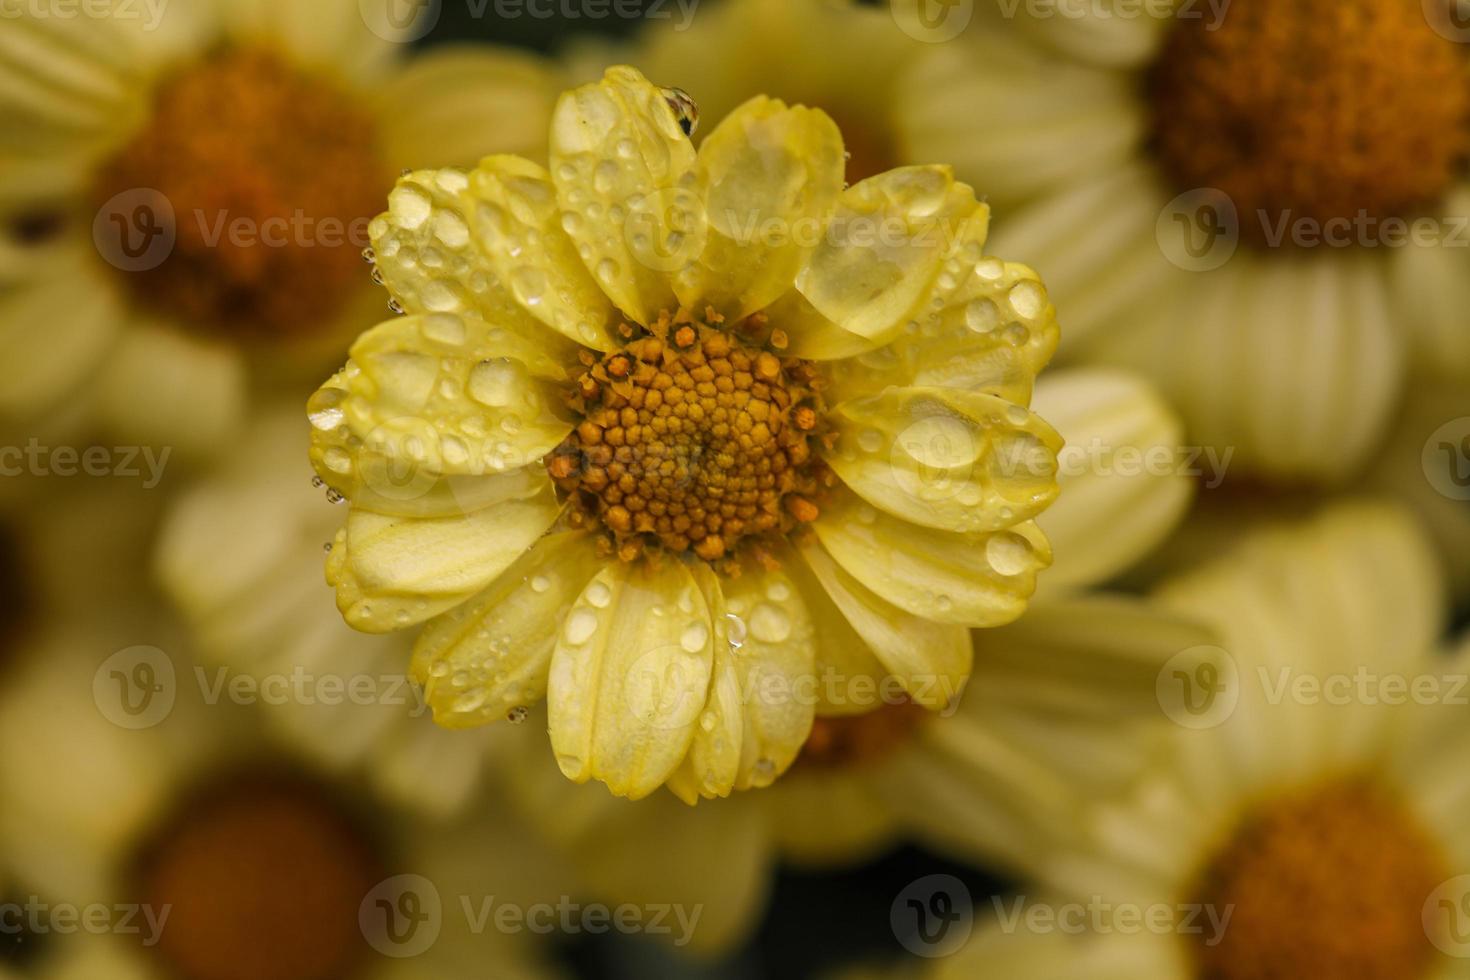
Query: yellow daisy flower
x=214, y=856
x=1272, y=199
x=330, y=692
x=183, y=192
x=1075, y=673
x=1311, y=821
x=839, y=56
x=629, y=456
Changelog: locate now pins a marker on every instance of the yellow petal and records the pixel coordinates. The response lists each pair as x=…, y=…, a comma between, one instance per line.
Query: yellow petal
x=160, y=385
x=45, y=365
x=435, y=396
x=453, y=105
x=1094, y=658
x=518, y=224
x=492, y=654
x=1356, y=586
x=883, y=248
x=992, y=328
x=625, y=176
x=930, y=659
x=431, y=263
x=811, y=335
x=630, y=677
x=391, y=572
x=772, y=176
x=841, y=656
x=967, y=579
x=1125, y=480
x=945, y=457
x=1015, y=121
x=710, y=768
x=770, y=641
x=1432, y=292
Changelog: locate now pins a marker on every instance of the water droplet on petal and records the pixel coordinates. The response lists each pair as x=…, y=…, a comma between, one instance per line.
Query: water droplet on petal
x=734, y=631
x=581, y=624
x=1008, y=553
x=769, y=624
x=599, y=595
x=694, y=637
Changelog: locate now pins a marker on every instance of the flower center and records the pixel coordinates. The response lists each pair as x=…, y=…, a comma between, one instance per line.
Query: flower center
x=852, y=740
x=693, y=438
x=272, y=173
x=1328, y=883
x=263, y=877
x=1321, y=108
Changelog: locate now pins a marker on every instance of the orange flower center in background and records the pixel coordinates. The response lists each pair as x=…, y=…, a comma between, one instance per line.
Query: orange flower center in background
x=1328, y=883
x=271, y=173
x=263, y=877
x=851, y=740
x=1320, y=108
x=693, y=437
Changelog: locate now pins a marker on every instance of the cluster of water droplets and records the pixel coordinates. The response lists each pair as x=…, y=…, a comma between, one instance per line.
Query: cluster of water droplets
x=446, y=402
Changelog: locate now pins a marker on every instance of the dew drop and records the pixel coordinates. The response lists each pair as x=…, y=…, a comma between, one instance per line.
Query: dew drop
x=496, y=382
x=443, y=328
x=599, y=595
x=694, y=637
x=982, y=315
x=1027, y=299
x=518, y=714
x=734, y=631
x=1008, y=553
x=324, y=409
x=581, y=624
x=769, y=624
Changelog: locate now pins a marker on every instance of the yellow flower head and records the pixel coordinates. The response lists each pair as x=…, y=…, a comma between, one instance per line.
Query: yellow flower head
x=665, y=434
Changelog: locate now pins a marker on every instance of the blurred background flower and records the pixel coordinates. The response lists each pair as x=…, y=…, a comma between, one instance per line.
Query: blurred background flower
x=1253, y=219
